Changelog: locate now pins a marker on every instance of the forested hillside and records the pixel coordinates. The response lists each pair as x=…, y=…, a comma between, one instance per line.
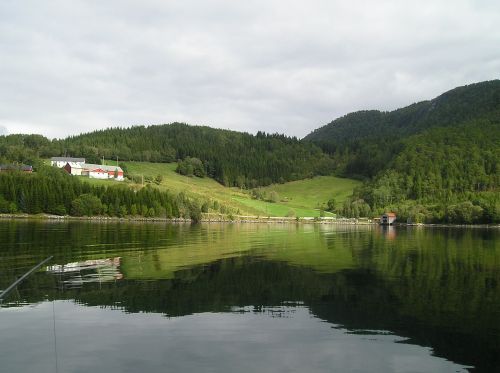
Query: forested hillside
x=366, y=142
x=434, y=161
x=53, y=191
x=232, y=158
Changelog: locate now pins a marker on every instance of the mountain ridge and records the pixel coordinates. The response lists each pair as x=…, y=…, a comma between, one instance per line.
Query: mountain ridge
x=365, y=142
x=419, y=112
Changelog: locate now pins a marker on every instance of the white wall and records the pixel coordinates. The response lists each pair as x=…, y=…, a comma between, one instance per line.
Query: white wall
x=98, y=175
x=76, y=171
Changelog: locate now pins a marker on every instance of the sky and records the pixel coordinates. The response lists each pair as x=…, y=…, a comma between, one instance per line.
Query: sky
x=68, y=67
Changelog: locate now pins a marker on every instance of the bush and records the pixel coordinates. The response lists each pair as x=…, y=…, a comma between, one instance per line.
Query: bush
x=86, y=205
x=191, y=167
x=59, y=210
x=195, y=212
x=274, y=197
x=464, y=213
x=331, y=204
x=151, y=213
x=4, y=205
x=136, y=179
x=158, y=179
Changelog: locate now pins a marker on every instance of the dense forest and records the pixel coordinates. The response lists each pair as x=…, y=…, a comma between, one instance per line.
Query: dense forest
x=435, y=161
x=232, y=158
x=52, y=191
x=365, y=142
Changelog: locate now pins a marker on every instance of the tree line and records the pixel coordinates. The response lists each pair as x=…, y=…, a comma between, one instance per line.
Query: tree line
x=52, y=191
x=230, y=157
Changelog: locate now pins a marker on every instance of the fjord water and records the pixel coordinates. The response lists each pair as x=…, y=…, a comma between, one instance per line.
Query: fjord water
x=249, y=298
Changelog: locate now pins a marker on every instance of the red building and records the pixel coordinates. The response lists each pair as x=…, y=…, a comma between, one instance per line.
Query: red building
x=388, y=218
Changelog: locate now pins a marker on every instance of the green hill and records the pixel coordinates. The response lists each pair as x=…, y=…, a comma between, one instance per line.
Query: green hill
x=304, y=197
x=365, y=142
x=433, y=161
x=230, y=157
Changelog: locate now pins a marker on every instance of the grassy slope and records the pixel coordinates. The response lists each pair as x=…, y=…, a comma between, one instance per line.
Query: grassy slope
x=200, y=188
x=304, y=196
x=311, y=193
x=275, y=209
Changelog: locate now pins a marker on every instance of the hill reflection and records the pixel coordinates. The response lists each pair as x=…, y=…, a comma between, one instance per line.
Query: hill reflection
x=435, y=288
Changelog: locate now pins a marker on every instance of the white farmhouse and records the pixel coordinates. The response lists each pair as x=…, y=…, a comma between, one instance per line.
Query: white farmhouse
x=100, y=171
x=62, y=161
x=94, y=171
x=74, y=168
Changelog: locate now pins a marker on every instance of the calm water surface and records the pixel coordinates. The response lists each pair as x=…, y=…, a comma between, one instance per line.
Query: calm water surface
x=124, y=297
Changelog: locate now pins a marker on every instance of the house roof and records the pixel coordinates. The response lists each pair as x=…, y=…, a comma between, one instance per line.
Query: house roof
x=15, y=167
x=89, y=166
x=8, y=167
x=75, y=164
x=391, y=214
x=67, y=159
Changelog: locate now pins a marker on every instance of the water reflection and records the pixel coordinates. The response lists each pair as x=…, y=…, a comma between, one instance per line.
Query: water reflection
x=349, y=296
x=104, y=340
x=389, y=231
x=75, y=274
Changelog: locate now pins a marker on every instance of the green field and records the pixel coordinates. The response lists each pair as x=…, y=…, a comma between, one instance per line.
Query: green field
x=278, y=209
x=312, y=193
x=303, y=197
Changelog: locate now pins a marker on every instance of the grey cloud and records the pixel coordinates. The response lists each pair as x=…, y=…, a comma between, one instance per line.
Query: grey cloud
x=68, y=68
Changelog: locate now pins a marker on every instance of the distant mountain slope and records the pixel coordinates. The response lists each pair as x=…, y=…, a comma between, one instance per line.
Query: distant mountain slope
x=365, y=142
x=434, y=161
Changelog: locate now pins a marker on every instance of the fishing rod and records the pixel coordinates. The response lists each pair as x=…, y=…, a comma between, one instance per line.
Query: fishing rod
x=4, y=293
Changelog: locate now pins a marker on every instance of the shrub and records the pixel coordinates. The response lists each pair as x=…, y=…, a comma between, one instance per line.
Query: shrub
x=86, y=205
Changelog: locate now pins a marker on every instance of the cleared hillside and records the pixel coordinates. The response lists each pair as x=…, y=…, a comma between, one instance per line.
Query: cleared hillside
x=304, y=197
x=309, y=192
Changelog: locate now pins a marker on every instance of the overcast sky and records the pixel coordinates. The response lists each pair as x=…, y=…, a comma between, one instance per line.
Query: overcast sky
x=280, y=66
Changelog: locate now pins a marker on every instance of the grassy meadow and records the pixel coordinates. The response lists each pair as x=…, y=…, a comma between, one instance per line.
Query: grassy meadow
x=313, y=192
x=300, y=198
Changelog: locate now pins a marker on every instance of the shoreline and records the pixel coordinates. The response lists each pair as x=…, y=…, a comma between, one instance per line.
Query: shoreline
x=205, y=219
x=236, y=220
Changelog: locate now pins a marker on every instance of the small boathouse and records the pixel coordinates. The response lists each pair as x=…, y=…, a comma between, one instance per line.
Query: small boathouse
x=388, y=218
